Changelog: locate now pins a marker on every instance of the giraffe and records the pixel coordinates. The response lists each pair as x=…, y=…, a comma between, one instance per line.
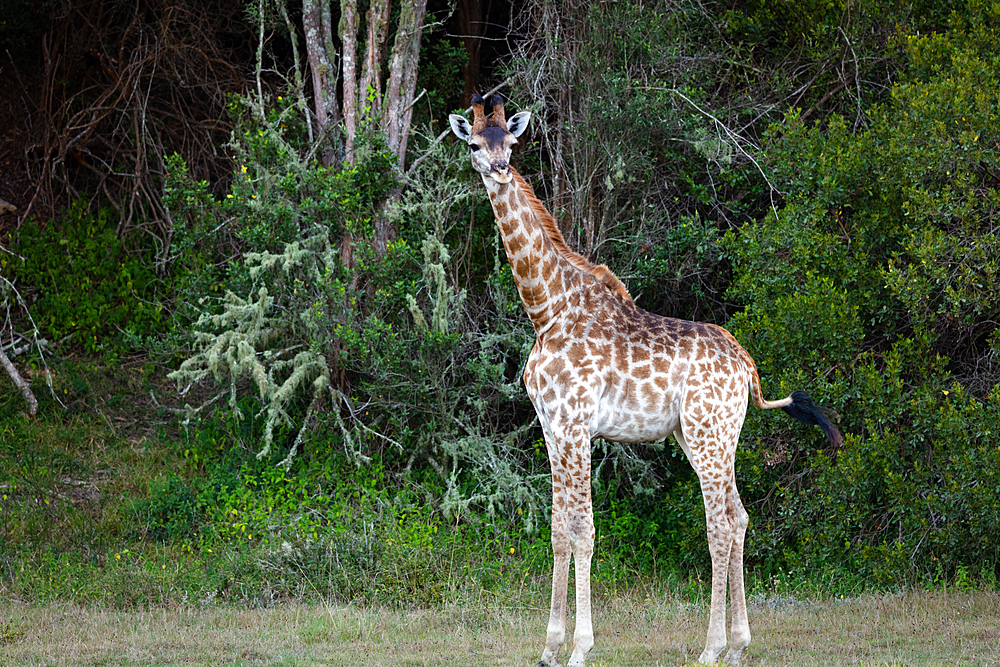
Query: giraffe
x=602, y=367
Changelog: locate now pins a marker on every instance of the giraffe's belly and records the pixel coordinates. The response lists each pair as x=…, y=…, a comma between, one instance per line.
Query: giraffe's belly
x=630, y=422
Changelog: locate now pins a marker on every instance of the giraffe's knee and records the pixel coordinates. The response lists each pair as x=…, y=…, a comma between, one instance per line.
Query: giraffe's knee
x=581, y=530
x=561, y=546
x=742, y=518
x=736, y=515
x=722, y=535
x=722, y=524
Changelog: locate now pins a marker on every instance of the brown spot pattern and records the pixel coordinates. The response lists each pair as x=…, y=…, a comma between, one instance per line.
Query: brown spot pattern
x=602, y=367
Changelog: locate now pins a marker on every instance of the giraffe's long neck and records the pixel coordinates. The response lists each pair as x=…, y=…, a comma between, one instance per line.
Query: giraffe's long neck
x=542, y=274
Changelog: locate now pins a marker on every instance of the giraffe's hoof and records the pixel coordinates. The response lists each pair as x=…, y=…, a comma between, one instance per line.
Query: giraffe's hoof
x=549, y=659
x=733, y=657
x=709, y=657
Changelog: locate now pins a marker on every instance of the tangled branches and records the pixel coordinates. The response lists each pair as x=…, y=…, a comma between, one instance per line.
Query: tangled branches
x=124, y=84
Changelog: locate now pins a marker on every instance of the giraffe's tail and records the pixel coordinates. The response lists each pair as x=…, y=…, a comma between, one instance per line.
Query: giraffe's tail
x=803, y=409
x=799, y=406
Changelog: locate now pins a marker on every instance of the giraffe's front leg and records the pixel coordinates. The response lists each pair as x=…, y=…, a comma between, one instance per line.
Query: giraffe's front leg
x=572, y=512
x=582, y=536
x=572, y=532
x=556, y=632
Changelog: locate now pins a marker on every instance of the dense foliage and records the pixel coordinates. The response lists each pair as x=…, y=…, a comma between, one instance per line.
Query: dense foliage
x=876, y=285
x=85, y=283
x=865, y=272
x=822, y=180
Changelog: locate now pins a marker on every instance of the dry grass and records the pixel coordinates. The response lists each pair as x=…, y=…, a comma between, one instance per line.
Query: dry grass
x=917, y=628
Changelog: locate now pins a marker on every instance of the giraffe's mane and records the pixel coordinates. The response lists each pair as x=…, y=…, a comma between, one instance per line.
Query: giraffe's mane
x=548, y=224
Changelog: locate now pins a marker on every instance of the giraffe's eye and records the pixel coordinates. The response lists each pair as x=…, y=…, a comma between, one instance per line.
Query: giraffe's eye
x=474, y=147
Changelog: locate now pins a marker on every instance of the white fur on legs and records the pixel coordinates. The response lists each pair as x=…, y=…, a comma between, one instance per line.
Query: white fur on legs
x=556, y=631
x=582, y=536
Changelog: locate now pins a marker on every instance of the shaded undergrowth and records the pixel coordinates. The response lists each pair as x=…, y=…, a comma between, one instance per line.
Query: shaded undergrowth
x=97, y=508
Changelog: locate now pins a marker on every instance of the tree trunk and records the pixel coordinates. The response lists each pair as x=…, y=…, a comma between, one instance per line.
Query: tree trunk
x=363, y=96
x=349, y=41
x=370, y=86
x=316, y=22
x=403, y=76
x=331, y=57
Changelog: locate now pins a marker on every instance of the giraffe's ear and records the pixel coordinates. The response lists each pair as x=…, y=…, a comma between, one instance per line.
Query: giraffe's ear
x=518, y=123
x=460, y=126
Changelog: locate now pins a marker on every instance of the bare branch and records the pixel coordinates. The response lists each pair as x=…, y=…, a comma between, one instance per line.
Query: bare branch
x=29, y=397
x=737, y=140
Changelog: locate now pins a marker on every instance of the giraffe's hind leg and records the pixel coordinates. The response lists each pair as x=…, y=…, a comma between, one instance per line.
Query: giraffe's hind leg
x=716, y=479
x=555, y=633
x=739, y=637
x=720, y=541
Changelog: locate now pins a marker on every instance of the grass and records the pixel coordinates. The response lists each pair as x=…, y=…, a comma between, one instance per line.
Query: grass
x=641, y=628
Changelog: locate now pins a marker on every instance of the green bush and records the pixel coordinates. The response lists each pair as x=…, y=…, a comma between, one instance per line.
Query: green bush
x=320, y=329
x=869, y=282
x=83, y=283
x=171, y=512
x=874, y=288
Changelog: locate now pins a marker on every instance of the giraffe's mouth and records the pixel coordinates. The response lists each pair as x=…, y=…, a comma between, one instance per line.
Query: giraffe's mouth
x=501, y=175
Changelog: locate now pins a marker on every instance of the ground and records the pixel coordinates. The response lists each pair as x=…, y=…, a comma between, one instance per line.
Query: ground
x=637, y=628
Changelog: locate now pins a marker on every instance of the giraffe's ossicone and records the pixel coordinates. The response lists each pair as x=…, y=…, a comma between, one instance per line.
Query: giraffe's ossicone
x=602, y=367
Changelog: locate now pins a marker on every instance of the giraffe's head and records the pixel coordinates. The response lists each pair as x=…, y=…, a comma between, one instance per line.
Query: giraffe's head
x=490, y=138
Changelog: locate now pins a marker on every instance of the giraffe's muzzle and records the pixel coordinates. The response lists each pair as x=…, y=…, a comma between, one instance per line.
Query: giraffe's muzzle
x=500, y=171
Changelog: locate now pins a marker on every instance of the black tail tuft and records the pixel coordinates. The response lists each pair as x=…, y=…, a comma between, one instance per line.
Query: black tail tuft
x=803, y=409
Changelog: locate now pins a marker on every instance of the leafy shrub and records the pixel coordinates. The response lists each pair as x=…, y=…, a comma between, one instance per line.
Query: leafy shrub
x=874, y=289
x=279, y=202
x=332, y=334
x=679, y=272
x=171, y=512
x=82, y=283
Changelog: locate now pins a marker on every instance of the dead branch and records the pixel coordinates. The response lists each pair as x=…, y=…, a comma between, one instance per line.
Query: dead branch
x=29, y=397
